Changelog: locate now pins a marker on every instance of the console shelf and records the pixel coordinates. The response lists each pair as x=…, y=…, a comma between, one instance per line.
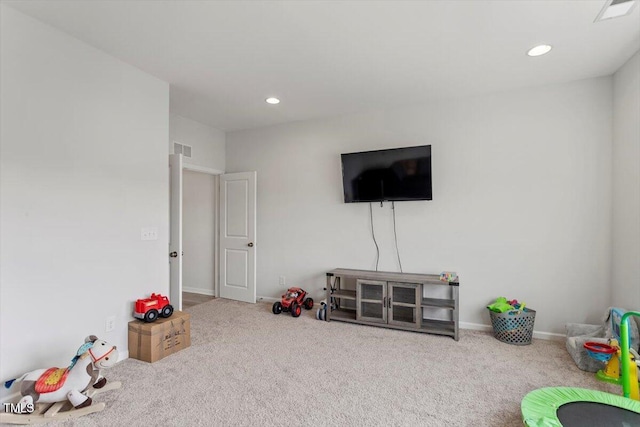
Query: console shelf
x=344, y=315
x=345, y=294
x=439, y=303
x=393, y=300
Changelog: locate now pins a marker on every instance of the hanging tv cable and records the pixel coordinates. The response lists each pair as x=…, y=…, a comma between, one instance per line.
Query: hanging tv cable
x=395, y=235
x=373, y=234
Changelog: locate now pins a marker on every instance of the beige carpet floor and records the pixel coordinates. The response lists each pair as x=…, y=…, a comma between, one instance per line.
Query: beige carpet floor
x=249, y=367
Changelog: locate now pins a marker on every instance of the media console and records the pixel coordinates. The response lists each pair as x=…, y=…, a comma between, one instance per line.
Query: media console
x=407, y=301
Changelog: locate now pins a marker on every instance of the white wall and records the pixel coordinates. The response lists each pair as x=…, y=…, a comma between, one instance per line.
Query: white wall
x=521, y=209
x=625, y=276
x=198, y=228
x=83, y=169
x=208, y=143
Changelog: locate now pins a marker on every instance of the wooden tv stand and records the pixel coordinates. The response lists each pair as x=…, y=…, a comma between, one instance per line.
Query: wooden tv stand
x=393, y=300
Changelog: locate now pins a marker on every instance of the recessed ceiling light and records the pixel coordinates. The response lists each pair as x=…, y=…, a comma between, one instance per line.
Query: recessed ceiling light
x=272, y=100
x=539, y=50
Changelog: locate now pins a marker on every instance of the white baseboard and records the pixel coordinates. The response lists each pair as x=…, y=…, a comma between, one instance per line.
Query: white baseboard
x=465, y=325
x=549, y=336
x=536, y=334
x=208, y=292
x=272, y=300
x=475, y=327
x=122, y=355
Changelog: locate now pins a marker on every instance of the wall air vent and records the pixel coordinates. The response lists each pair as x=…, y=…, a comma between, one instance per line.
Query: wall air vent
x=615, y=9
x=178, y=148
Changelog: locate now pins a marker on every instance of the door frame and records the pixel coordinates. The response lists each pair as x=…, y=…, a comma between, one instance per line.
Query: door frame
x=174, y=250
x=216, y=221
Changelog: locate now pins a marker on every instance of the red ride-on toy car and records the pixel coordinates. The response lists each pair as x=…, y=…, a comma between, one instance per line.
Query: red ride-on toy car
x=293, y=301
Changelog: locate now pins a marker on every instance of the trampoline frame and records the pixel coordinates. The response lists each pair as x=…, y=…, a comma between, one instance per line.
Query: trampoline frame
x=539, y=407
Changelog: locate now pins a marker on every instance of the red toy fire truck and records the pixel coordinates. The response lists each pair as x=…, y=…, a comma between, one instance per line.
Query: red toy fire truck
x=148, y=309
x=293, y=301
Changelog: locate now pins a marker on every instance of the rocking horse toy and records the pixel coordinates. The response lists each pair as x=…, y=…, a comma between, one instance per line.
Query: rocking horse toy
x=62, y=393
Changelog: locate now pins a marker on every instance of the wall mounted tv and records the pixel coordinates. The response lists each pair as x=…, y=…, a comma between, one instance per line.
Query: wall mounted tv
x=397, y=174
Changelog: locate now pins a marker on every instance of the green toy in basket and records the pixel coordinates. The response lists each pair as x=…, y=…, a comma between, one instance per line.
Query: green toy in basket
x=500, y=306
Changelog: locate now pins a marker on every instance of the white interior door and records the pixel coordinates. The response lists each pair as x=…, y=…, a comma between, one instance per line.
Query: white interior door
x=175, y=235
x=238, y=236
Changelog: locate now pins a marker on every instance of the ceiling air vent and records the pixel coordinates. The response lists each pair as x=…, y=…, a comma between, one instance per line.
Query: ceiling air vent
x=615, y=9
x=178, y=148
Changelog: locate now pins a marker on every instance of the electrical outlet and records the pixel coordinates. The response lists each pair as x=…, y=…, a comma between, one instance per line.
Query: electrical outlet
x=110, y=324
x=283, y=281
x=149, y=233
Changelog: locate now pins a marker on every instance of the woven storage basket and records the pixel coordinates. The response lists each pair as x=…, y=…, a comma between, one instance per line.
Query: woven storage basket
x=513, y=327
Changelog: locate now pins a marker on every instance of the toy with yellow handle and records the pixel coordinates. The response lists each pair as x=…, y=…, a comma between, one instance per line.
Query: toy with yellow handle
x=609, y=354
x=630, y=386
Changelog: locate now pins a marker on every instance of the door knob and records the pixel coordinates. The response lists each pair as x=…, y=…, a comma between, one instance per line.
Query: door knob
x=250, y=244
x=173, y=254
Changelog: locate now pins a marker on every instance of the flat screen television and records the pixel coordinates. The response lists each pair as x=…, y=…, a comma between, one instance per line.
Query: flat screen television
x=397, y=174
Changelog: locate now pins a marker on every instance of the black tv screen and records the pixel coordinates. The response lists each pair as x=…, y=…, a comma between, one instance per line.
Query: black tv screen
x=397, y=174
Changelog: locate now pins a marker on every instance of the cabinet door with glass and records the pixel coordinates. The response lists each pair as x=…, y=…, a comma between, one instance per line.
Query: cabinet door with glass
x=371, y=301
x=403, y=304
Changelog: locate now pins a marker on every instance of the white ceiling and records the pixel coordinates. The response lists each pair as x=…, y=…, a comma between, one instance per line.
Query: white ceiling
x=326, y=58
